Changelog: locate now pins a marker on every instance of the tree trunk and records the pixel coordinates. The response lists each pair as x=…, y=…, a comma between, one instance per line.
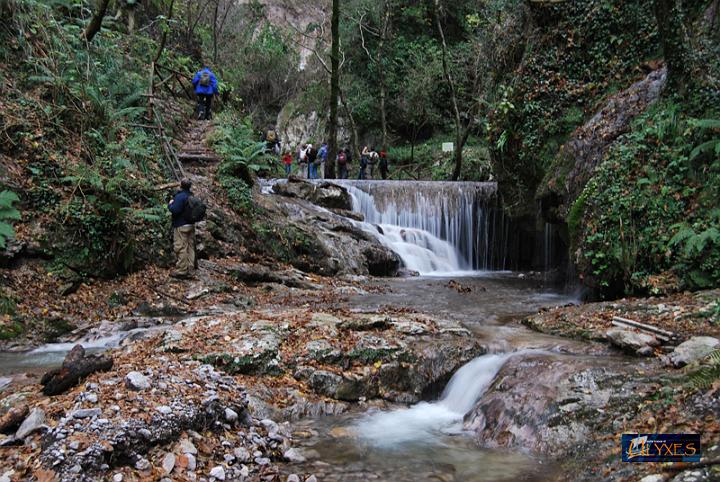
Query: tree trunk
x=334, y=91
x=353, y=126
x=163, y=38
x=381, y=74
x=96, y=22
x=674, y=45
x=215, y=32
x=453, y=96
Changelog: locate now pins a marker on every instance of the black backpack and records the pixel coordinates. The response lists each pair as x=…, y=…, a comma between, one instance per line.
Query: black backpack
x=195, y=210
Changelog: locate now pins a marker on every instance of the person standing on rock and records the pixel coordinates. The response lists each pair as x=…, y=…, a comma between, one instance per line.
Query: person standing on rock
x=363, y=163
x=206, y=87
x=287, y=162
x=185, y=213
x=312, y=155
x=383, y=165
x=342, y=164
x=322, y=157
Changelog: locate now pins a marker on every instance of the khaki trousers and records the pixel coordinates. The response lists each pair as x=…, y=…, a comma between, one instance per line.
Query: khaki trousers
x=184, y=247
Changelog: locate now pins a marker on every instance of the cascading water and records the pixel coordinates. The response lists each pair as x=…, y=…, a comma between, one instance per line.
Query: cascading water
x=422, y=422
x=435, y=227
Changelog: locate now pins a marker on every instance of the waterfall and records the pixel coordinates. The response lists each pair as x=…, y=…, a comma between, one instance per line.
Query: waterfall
x=435, y=227
x=424, y=421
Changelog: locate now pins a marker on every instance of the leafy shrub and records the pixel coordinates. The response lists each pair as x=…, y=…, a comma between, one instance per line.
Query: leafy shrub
x=7, y=213
x=242, y=157
x=651, y=209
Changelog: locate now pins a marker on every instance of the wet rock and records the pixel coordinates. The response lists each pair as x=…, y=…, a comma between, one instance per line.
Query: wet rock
x=34, y=422
x=293, y=478
x=137, y=381
x=349, y=214
x=321, y=381
x=76, y=366
x=218, y=472
x=118, y=477
x=631, y=341
x=694, y=349
x=312, y=478
x=381, y=261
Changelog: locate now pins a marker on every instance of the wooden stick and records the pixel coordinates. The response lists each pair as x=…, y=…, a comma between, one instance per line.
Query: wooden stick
x=643, y=326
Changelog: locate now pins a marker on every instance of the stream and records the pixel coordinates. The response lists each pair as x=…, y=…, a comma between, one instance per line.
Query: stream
x=427, y=441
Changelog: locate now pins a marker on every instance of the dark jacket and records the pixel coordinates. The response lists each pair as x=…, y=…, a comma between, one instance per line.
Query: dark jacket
x=177, y=208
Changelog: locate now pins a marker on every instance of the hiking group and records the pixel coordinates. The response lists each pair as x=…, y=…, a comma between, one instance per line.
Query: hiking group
x=310, y=160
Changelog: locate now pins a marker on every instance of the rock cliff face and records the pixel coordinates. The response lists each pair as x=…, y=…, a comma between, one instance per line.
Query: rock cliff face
x=586, y=149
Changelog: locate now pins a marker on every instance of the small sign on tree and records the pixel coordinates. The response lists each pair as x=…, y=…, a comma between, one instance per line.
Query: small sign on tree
x=448, y=147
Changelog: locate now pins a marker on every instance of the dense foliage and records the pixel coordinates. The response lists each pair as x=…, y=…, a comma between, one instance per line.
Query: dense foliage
x=85, y=167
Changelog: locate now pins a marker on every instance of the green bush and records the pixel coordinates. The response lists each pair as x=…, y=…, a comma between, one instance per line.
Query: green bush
x=651, y=212
x=7, y=213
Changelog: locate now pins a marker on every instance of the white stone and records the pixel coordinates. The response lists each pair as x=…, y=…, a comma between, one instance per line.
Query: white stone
x=164, y=409
x=86, y=413
x=653, y=478
x=312, y=478
x=218, y=472
x=192, y=462
x=117, y=477
x=137, y=381
x=33, y=422
x=168, y=463
x=293, y=478
x=292, y=455
x=187, y=447
x=231, y=415
x=241, y=454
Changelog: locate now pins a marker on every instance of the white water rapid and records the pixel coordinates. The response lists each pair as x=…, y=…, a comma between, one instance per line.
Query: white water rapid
x=423, y=422
x=435, y=227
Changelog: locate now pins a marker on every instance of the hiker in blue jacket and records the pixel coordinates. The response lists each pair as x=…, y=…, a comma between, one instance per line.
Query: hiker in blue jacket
x=206, y=87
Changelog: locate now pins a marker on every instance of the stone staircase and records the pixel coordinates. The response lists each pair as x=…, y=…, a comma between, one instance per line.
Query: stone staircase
x=194, y=150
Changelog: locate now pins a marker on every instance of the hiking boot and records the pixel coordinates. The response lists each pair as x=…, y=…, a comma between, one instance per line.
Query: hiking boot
x=180, y=275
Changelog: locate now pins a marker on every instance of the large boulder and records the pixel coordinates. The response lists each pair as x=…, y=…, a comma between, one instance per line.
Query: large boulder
x=324, y=194
x=694, y=349
x=632, y=342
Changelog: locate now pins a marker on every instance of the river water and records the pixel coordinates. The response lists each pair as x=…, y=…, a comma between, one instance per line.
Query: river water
x=426, y=442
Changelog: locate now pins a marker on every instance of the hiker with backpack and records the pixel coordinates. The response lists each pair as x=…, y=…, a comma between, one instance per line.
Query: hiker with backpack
x=186, y=210
x=272, y=141
x=322, y=157
x=342, y=163
x=287, y=162
x=206, y=87
x=373, y=159
x=363, y=162
x=384, y=167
